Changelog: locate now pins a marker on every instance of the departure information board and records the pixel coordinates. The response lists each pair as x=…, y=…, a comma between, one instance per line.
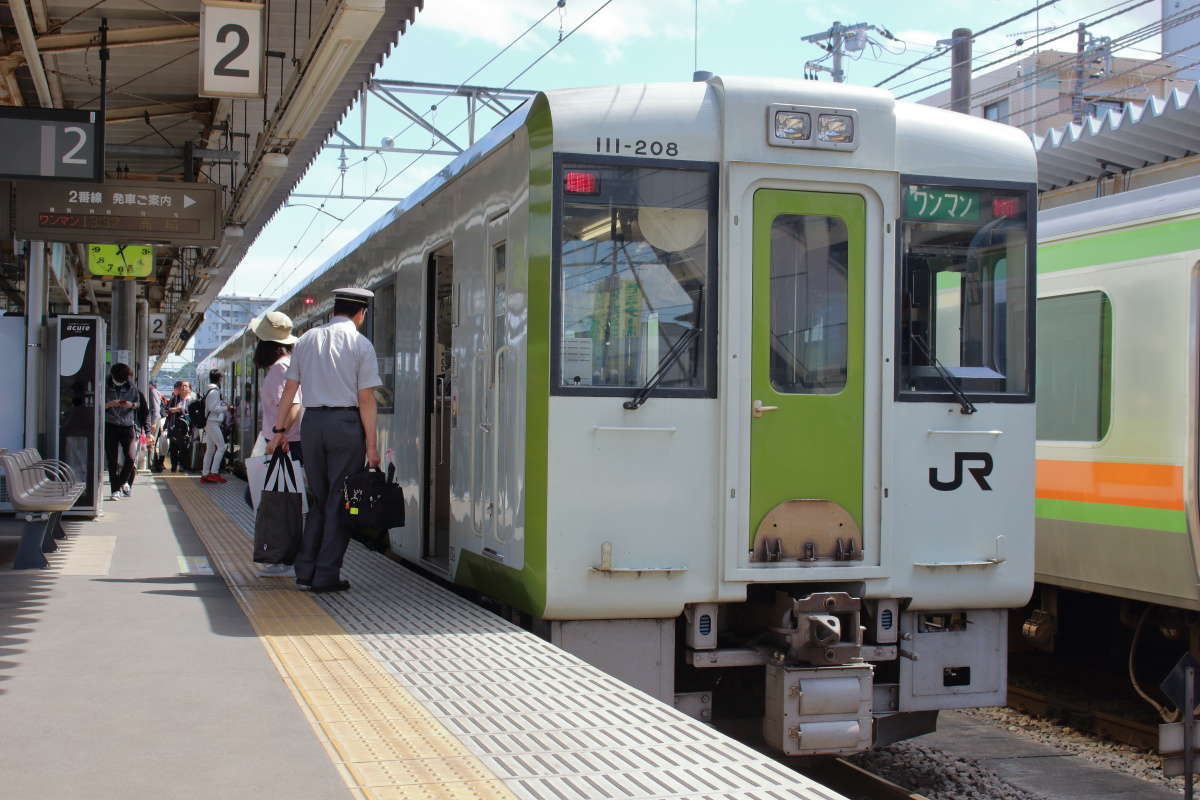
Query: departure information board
x=121, y=212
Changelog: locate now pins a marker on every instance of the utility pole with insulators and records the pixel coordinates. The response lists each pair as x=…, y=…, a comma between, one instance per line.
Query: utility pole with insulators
x=960, y=70
x=1077, y=95
x=838, y=40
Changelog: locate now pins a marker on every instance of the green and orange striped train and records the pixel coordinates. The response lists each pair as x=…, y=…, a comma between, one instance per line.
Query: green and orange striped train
x=1117, y=391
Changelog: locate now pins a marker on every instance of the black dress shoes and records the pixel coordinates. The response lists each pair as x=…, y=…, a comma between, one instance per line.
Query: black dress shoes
x=340, y=586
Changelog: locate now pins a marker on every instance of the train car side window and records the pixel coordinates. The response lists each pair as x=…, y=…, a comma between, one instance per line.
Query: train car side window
x=809, y=304
x=965, y=292
x=383, y=336
x=1074, y=374
x=635, y=279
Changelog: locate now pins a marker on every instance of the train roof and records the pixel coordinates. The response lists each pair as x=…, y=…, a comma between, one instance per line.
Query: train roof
x=1171, y=199
x=897, y=136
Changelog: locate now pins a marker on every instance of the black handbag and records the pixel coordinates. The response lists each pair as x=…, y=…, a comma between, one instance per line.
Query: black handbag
x=279, y=521
x=371, y=501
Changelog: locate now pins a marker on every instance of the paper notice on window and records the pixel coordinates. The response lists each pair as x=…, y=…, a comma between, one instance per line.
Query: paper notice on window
x=577, y=362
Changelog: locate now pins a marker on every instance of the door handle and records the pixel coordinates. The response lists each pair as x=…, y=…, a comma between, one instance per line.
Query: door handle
x=759, y=409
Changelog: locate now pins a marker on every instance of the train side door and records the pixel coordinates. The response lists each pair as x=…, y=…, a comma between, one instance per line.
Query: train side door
x=807, y=377
x=439, y=407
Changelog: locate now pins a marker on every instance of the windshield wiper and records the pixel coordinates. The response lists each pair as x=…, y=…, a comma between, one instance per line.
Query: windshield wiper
x=967, y=406
x=670, y=358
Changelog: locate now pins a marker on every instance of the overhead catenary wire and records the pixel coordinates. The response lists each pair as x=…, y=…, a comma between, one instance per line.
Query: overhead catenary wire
x=1071, y=30
x=559, y=4
x=1138, y=35
x=974, y=36
x=1030, y=77
x=419, y=156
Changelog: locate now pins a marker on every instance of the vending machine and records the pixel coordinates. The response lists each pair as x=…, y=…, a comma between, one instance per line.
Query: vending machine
x=75, y=403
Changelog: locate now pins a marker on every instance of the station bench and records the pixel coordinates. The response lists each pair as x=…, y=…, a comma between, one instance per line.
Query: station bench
x=40, y=490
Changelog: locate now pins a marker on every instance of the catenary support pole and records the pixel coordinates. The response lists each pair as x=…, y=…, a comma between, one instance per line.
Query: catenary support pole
x=960, y=71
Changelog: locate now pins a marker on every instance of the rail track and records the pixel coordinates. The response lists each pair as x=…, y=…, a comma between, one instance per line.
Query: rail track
x=853, y=781
x=1111, y=726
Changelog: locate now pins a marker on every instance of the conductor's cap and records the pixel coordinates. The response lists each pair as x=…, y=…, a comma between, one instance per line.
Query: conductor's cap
x=352, y=295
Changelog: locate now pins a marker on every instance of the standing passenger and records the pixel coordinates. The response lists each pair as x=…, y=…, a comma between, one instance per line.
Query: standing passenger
x=336, y=365
x=120, y=409
x=273, y=355
x=214, y=436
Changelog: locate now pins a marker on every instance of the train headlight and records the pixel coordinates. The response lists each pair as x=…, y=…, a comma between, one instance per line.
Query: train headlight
x=815, y=127
x=794, y=125
x=835, y=128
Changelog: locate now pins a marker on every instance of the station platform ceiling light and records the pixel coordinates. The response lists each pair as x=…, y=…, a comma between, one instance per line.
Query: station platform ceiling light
x=812, y=127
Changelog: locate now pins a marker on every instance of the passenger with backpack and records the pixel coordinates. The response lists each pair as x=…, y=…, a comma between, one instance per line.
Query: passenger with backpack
x=179, y=426
x=120, y=411
x=212, y=408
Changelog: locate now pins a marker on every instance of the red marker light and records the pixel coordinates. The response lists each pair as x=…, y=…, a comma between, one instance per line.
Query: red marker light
x=581, y=183
x=308, y=301
x=1006, y=206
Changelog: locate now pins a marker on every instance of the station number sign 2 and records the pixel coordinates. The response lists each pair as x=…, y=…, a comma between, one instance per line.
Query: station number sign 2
x=232, y=49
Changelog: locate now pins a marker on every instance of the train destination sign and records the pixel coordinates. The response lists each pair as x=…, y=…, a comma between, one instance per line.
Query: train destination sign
x=50, y=144
x=120, y=212
x=933, y=202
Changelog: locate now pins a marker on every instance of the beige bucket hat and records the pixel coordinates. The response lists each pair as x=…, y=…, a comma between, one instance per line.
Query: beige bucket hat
x=274, y=326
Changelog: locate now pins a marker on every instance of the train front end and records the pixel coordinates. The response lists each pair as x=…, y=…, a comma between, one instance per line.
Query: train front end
x=790, y=425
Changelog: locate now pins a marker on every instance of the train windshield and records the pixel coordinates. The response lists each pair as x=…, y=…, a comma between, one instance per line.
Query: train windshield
x=966, y=289
x=634, y=279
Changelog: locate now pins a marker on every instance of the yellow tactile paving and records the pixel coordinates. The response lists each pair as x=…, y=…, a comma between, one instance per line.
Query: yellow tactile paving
x=383, y=742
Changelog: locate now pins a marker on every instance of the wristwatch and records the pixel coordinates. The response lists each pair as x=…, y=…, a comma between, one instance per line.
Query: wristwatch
x=278, y=430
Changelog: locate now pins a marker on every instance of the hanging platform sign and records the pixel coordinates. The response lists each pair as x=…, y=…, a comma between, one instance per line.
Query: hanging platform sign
x=232, y=49
x=50, y=144
x=120, y=212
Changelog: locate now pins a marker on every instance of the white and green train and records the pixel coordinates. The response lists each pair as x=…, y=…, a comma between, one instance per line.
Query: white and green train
x=1118, y=410
x=726, y=387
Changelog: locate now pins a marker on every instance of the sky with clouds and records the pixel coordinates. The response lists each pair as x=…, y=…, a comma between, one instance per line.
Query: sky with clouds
x=626, y=41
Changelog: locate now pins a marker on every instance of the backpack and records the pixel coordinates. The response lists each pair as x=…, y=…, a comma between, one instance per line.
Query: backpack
x=196, y=413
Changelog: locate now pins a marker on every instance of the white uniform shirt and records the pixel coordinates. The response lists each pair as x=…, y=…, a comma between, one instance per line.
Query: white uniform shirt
x=332, y=363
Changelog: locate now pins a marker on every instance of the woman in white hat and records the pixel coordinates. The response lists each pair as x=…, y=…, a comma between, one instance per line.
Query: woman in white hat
x=273, y=355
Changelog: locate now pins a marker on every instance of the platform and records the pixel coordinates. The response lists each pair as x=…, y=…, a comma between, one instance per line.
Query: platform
x=150, y=660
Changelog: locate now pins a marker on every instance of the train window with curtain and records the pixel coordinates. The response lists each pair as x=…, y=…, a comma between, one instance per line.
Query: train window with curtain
x=635, y=279
x=383, y=336
x=809, y=304
x=965, y=321
x=1074, y=374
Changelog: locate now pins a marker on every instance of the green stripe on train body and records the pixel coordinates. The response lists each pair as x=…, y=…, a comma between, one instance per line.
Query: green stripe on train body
x=1124, y=245
x=1159, y=519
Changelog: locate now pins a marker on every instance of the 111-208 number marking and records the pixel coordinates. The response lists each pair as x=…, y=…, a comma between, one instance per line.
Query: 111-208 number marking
x=638, y=147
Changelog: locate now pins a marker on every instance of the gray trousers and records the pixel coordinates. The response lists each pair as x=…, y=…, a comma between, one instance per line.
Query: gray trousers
x=334, y=447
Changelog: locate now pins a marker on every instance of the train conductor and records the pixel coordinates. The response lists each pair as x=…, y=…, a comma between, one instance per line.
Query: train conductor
x=336, y=366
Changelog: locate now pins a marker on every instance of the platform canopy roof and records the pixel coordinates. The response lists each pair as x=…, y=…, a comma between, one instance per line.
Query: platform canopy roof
x=1161, y=129
x=320, y=54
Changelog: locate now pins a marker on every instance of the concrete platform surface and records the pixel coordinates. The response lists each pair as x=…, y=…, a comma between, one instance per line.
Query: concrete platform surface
x=128, y=673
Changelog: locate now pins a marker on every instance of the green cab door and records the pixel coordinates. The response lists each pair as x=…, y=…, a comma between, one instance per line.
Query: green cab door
x=806, y=430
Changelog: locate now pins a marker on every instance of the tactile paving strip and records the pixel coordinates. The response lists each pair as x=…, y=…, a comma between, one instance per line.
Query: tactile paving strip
x=384, y=743
x=546, y=723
